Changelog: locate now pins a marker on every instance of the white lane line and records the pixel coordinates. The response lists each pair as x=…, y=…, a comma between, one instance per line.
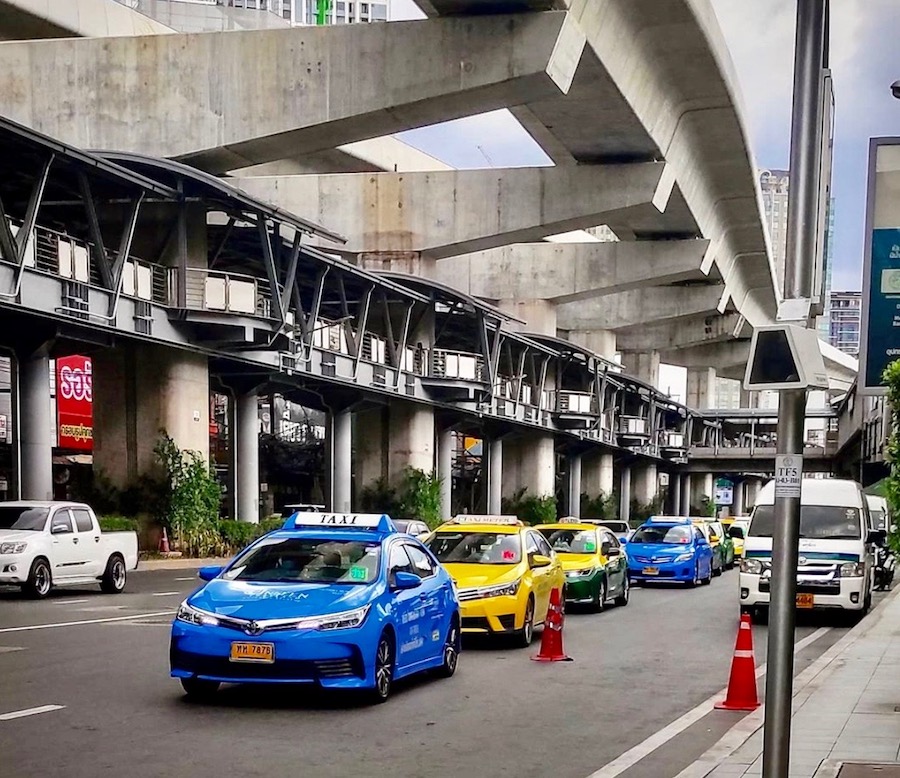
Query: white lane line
x=634, y=755
x=10, y=649
x=192, y=578
x=87, y=621
x=164, y=594
x=21, y=714
x=70, y=602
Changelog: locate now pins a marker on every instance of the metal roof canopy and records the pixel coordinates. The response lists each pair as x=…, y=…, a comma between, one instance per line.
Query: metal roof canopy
x=198, y=183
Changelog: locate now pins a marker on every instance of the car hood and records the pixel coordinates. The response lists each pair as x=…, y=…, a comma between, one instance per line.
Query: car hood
x=17, y=535
x=259, y=600
x=578, y=561
x=661, y=550
x=467, y=576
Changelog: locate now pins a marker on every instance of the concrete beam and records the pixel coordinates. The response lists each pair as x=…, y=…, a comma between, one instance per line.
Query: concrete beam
x=714, y=328
x=27, y=19
x=729, y=359
x=641, y=307
x=447, y=213
x=568, y=272
x=459, y=7
x=309, y=89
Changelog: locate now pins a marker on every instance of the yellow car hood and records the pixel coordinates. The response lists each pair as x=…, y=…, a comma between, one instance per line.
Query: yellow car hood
x=578, y=561
x=466, y=576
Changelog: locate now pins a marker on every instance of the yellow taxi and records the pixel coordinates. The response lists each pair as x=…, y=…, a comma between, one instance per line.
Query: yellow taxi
x=503, y=572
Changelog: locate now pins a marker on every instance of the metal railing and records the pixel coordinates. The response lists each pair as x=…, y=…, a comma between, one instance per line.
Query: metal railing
x=214, y=290
x=583, y=403
x=632, y=425
x=459, y=365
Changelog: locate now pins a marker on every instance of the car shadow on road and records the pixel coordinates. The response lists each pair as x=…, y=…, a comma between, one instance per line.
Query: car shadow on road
x=15, y=594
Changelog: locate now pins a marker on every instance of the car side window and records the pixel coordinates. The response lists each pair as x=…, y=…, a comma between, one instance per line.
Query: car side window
x=82, y=520
x=613, y=541
x=398, y=562
x=531, y=546
x=542, y=545
x=421, y=562
x=61, y=523
x=698, y=535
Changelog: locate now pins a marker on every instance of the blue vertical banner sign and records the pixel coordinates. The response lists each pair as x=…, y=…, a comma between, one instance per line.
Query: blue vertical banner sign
x=883, y=342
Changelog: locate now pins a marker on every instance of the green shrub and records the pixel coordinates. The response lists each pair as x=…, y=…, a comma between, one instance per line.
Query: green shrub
x=117, y=524
x=420, y=497
x=891, y=488
x=603, y=506
x=530, y=508
x=379, y=497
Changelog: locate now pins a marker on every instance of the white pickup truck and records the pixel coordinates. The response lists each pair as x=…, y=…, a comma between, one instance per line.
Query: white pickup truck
x=46, y=544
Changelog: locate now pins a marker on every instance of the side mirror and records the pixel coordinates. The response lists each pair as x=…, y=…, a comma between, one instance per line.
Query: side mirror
x=876, y=536
x=605, y=547
x=613, y=552
x=736, y=532
x=539, y=560
x=59, y=529
x=403, y=580
x=713, y=538
x=209, y=572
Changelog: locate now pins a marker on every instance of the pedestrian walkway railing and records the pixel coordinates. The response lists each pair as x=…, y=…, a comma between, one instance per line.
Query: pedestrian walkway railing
x=459, y=365
x=213, y=290
x=570, y=402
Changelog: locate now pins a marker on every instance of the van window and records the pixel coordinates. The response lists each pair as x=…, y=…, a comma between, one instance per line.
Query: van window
x=817, y=522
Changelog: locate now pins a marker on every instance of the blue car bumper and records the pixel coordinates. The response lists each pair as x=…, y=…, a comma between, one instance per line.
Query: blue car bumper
x=335, y=659
x=662, y=571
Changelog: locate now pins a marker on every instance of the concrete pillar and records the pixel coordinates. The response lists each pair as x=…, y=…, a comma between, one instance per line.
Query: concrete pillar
x=138, y=391
x=35, y=429
x=674, y=505
x=574, y=465
x=340, y=462
x=538, y=315
x=529, y=463
x=643, y=365
x=646, y=483
x=685, y=508
x=247, y=446
x=601, y=342
x=370, y=442
x=752, y=488
x=701, y=486
x=625, y=493
x=495, y=476
x=737, y=507
x=388, y=440
x=597, y=475
x=446, y=444
x=749, y=399
x=701, y=388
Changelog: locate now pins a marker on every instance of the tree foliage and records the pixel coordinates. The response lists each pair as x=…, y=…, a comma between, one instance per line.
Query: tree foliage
x=891, y=379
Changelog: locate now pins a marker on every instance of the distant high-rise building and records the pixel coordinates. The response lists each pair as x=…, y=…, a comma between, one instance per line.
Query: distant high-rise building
x=339, y=11
x=845, y=320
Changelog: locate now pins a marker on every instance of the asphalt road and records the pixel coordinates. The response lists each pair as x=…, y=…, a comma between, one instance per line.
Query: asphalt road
x=636, y=669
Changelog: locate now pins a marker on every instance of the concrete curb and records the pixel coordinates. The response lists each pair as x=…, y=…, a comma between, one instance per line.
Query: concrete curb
x=804, y=685
x=150, y=565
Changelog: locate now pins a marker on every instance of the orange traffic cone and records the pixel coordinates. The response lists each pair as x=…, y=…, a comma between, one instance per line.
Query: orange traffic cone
x=742, y=693
x=551, y=638
x=164, y=543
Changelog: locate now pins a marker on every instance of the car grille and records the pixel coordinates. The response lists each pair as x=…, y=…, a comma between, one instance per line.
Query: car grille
x=475, y=622
x=464, y=595
x=287, y=669
x=808, y=587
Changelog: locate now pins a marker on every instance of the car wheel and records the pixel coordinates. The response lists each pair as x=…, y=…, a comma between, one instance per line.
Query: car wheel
x=708, y=580
x=600, y=597
x=384, y=670
x=199, y=690
x=696, y=579
x=716, y=571
x=113, y=581
x=452, y=646
x=525, y=635
x=622, y=599
x=40, y=580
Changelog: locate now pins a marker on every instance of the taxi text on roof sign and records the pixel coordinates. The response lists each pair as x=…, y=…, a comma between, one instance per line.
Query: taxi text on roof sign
x=464, y=518
x=376, y=521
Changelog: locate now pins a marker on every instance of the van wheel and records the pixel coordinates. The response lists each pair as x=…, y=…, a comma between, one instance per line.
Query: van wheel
x=39, y=581
x=113, y=581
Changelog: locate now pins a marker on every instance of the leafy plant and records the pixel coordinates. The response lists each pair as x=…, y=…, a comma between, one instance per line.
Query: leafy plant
x=641, y=511
x=117, y=524
x=420, y=496
x=380, y=497
x=603, y=506
x=530, y=508
x=891, y=378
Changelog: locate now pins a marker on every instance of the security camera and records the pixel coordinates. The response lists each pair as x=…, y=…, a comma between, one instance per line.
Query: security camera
x=895, y=89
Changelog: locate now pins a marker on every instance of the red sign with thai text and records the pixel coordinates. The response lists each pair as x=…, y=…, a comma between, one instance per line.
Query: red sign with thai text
x=74, y=403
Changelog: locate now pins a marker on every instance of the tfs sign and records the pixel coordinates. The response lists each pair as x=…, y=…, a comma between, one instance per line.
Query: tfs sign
x=74, y=403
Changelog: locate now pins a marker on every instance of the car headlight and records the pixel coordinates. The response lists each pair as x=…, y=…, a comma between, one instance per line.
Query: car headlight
x=853, y=569
x=580, y=573
x=752, y=566
x=345, y=620
x=498, y=590
x=685, y=557
x=191, y=615
x=12, y=548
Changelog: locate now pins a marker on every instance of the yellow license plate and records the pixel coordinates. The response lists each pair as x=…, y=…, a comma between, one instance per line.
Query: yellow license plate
x=804, y=601
x=253, y=652
x=650, y=571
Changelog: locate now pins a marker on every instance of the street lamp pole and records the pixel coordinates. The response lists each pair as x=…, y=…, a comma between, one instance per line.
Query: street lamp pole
x=810, y=57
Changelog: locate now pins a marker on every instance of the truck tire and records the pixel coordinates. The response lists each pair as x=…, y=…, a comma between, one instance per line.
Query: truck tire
x=40, y=579
x=114, y=577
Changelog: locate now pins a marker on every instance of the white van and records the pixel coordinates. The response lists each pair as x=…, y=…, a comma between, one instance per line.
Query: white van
x=878, y=511
x=836, y=563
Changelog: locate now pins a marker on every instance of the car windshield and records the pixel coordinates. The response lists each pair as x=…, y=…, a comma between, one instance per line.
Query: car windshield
x=817, y=522
x=568, y=541
x=674, y=535
x=476, y=548
x=31, y=519
x=617, y=526
x=308, y=560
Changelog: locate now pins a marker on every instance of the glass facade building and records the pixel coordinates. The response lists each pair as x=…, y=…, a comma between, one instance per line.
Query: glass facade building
x=845, y=320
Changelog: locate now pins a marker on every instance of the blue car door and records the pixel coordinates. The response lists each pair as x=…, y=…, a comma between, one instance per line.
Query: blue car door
x=704, y=553
x=435, y=593
x=406, y=608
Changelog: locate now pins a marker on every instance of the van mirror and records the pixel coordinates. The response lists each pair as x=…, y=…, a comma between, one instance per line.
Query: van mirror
x=876, y=536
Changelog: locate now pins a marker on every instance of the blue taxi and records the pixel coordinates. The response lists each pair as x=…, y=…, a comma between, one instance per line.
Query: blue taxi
x=670, y=548
x=345, y=601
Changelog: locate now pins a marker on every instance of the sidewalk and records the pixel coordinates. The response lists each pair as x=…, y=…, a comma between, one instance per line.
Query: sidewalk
x=846, y=709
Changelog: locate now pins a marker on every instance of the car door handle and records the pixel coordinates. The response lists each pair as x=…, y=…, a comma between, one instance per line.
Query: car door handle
x=96, y=540
x=75, y=540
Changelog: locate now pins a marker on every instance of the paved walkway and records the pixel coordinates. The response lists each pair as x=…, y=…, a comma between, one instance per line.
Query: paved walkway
x=846, y=709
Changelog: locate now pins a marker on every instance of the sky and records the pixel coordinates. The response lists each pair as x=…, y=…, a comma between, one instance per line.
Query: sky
x=865, y=61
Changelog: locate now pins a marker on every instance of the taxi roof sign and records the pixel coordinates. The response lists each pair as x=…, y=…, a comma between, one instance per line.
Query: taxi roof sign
x=380, y=522
x=467, y=518
x=669, y=520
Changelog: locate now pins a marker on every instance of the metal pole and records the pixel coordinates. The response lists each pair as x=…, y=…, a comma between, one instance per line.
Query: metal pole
x=806, y=133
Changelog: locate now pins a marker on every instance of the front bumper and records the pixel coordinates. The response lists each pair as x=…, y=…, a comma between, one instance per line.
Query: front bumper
x=14, y=569
x=840, y=593
x=583, y=589
x=665, y=571
x=493, y=614
x=340, y=659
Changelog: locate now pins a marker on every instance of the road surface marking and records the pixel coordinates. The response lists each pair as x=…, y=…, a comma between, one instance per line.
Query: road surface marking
x=21, y=714
x=634, y=755
x=192, y=578
x=69, y=602
x=87, y=621
x=10, y=649
x=164, y=594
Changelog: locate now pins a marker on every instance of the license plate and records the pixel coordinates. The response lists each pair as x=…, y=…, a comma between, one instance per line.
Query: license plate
x=253, y=652
x=650, y=571
x=804, y=601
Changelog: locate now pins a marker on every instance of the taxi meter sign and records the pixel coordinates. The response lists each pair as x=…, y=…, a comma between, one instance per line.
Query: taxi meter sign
x=788, y=475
